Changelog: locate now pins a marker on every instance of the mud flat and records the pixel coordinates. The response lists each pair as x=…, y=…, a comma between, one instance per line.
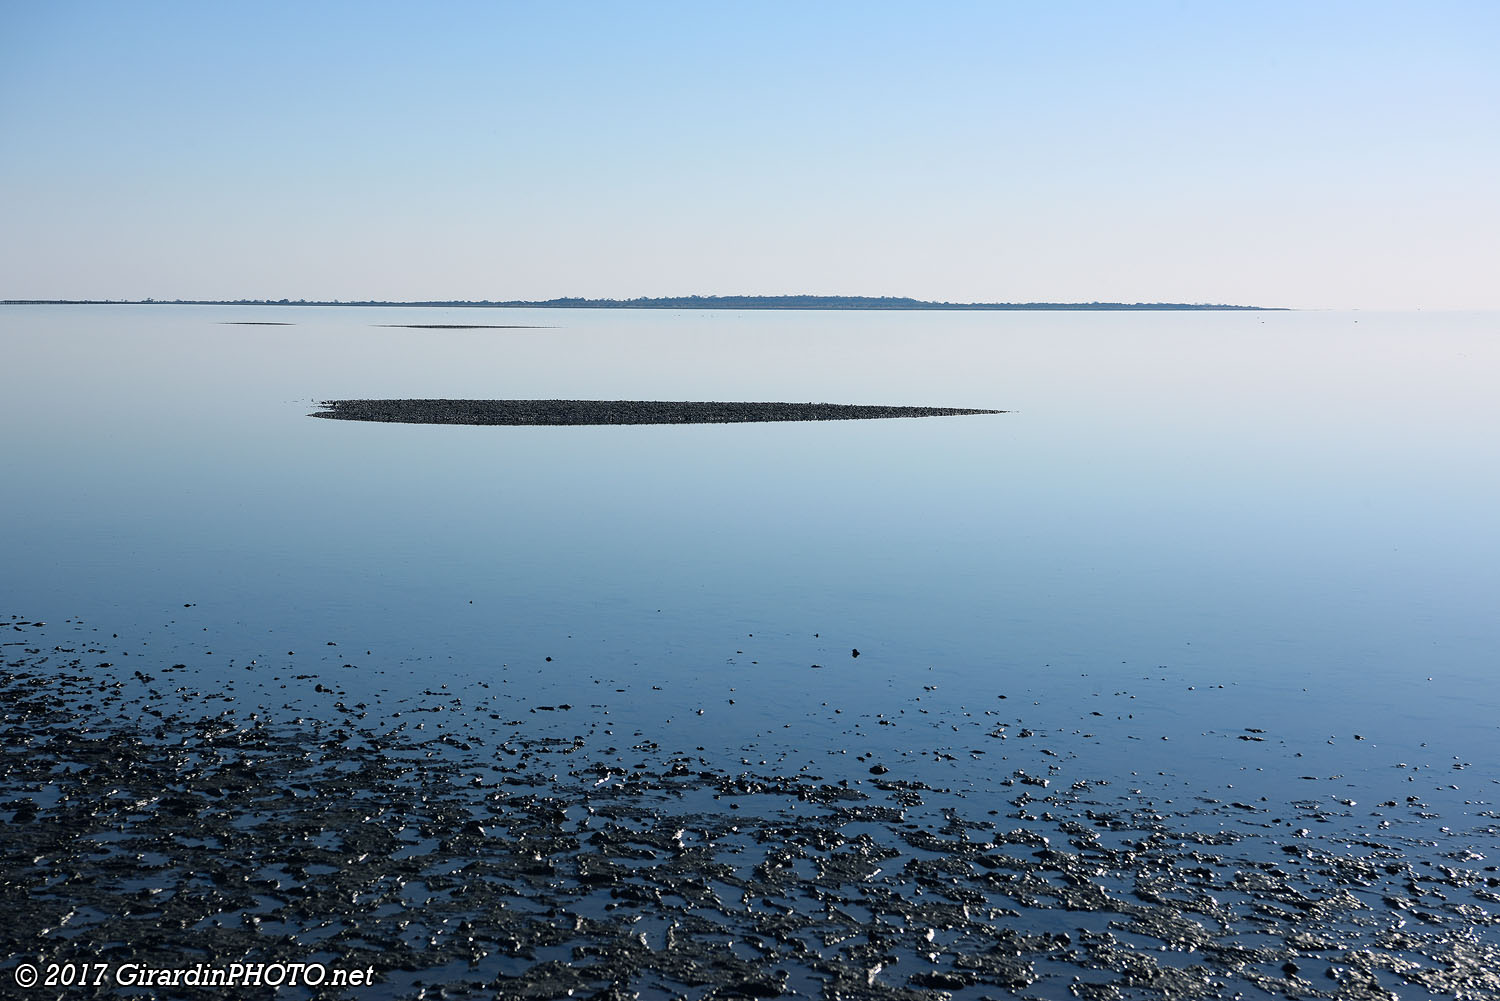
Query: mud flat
x=462, y=850
x=578, y=412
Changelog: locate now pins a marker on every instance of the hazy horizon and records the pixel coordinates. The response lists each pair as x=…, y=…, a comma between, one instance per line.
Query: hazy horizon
x=561, y=302
x=1336, y=155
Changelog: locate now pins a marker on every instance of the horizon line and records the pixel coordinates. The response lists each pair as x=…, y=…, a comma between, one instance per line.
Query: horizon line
x=800, y=301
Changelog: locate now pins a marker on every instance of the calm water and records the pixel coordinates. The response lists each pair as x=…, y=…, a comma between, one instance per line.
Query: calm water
x=1298, y=507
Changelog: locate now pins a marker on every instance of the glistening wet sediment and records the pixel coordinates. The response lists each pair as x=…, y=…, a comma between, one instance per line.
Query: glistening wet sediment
x=582, y=412
x=154, y=821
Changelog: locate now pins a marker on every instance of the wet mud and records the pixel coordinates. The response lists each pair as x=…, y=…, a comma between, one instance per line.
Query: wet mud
x=593, y=412
x=145, y=817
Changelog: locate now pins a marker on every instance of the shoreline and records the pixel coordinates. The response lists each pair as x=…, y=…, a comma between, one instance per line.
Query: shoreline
x=147, y=821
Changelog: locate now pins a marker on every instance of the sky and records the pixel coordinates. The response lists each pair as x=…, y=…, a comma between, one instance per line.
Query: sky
x=1306, y=154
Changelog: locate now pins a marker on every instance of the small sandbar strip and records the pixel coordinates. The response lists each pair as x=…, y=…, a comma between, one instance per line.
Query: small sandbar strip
x=256, y=323
x=583, y=412
x=463, y=326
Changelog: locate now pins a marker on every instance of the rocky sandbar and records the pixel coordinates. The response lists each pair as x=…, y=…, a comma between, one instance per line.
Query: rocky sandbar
x=579, y=412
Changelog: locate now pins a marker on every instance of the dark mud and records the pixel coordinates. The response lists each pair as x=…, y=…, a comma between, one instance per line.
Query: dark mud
x=578, y=412
x=144, y=818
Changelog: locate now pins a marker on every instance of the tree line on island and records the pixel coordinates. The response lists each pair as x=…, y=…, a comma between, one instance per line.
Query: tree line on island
x=670, y=302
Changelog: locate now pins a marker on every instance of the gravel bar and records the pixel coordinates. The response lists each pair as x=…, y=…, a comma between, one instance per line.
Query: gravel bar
x=611, y=412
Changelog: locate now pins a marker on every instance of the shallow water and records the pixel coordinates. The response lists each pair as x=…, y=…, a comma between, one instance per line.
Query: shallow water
x=1201, y=527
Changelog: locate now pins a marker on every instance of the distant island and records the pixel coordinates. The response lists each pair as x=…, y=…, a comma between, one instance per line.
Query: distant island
x=663, y=302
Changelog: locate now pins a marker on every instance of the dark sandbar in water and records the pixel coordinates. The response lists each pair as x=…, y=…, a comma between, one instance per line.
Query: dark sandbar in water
x=557, y=412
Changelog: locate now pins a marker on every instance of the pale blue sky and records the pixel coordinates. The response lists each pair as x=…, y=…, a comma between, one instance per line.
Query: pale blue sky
x=1304, y=154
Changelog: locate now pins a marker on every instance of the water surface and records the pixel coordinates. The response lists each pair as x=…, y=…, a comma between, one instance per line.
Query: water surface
x=1189, y=527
